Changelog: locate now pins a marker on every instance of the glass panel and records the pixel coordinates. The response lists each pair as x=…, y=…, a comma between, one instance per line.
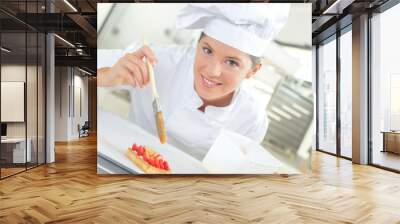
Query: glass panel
x=386, y=89
x=23, y=87
x=327, y=97
x=13, y=87
x=346, y=94
x=41, y=99
x=32, y=94
x=32, y=98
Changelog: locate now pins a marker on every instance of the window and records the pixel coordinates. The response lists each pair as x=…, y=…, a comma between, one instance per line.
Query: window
x=385, y=89
x=327, y=97
x=346, y=94
x=22, y=76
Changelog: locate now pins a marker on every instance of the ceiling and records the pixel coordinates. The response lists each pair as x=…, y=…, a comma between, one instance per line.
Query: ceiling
x=328, y=16
x=73, y=21
x=76, y=21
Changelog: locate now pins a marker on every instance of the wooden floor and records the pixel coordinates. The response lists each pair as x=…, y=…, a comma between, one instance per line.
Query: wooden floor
x=387, y=159
x=5, y=172
x=10, y=171
x=70, y=191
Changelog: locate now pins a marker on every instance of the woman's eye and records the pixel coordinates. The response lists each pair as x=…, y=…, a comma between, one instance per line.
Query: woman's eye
x=206, y=50
x=232, y=63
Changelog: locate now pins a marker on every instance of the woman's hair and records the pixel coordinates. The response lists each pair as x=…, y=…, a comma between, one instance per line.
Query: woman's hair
x=254, y=60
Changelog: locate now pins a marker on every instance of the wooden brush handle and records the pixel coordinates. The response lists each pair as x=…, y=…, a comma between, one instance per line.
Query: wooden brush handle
x=152, y=80
x=151, y=75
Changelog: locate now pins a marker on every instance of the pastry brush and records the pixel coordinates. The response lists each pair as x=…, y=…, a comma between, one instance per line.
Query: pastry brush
x=156, y=105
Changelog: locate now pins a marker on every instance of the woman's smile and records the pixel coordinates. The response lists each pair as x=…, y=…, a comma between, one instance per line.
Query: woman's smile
x=209, y=83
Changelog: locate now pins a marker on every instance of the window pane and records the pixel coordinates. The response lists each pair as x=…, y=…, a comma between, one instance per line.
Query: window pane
x=41, y=98
x=346, y=94
x=327, y=97
x=13, y=86
x=31, y=97
x=386, y=89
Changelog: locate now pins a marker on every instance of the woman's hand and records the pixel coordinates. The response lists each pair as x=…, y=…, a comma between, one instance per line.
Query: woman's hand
x=128, y=70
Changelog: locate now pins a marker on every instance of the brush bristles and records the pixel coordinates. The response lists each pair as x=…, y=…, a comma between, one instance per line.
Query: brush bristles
x=161, y=128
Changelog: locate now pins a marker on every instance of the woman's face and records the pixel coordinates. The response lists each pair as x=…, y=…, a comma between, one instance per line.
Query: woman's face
x=219, y=69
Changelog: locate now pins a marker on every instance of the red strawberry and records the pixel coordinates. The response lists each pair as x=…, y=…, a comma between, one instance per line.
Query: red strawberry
x=153, y=162
x=145, y=158
x=161, y=162
x=141, y=151
x=165, y=165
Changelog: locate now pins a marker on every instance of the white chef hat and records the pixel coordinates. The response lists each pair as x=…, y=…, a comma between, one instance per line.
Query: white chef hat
x=248, y=27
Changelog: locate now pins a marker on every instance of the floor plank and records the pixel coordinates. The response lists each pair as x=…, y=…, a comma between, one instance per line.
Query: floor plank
x=70, y=191
x=387, y=159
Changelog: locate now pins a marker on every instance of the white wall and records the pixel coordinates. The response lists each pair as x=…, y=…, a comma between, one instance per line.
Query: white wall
x=12, y=101
x=61, y=103
x=121, y=28
x=33, y=126
x=79, y=117
x=67, y=114
x=12, y=73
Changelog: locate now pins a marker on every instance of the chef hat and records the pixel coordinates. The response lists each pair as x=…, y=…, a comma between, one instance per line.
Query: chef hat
x=248, y=27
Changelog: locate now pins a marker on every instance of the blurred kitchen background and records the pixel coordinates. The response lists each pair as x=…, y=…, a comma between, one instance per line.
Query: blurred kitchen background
x=284, y=84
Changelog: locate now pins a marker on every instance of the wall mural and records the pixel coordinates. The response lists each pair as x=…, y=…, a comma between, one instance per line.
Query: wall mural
x=204, y=89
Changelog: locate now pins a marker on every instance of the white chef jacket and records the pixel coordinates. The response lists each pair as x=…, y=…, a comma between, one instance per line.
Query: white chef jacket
x=188, y=128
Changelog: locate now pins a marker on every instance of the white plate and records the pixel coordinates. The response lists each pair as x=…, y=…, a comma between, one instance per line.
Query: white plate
x=233, y=153
x=115, y=135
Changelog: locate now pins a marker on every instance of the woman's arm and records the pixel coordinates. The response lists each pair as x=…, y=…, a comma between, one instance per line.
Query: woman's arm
x=104, y=78
x=128, y=70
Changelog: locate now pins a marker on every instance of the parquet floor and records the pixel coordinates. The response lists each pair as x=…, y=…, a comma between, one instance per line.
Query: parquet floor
x=387, y=159
x=70, y=191
x=9, y=171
